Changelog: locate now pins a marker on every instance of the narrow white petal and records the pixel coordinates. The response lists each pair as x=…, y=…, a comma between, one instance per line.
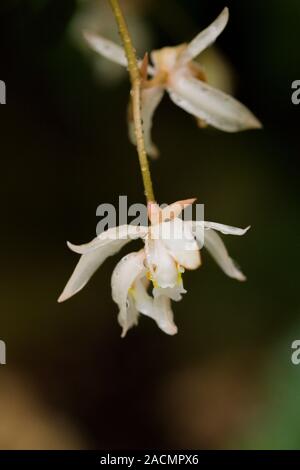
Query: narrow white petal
x=199, y=229
x=125, y=273
x=151, y=97
x=129, y=318
x=225, y=229
x=86, y=267
x=117, y=236
x=206, y=38
x=110, y=50
x=211, y=105
x=214, y=244
x=106, y=48
x=164, y=315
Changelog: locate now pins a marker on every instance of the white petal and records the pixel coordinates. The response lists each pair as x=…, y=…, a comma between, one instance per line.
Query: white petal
x=211, y=105
x=151, y=97
x=106, y=48
x=174, y=293
x=110, y=50
x=161, y=264
x=125, y=273
x=164, y=315
x=179, y=240
x=129, y=318
x=217, y=249
x=166, y=59
x=86, y=267
x=225, y=229
x=117, y=236
x=199, y=229
x=143, y=301
x=157, y=215
x=95, y=253
x=206, y=38
x=174, y=210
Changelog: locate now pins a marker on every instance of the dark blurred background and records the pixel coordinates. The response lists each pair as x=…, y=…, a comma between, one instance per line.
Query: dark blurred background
x=226, y=380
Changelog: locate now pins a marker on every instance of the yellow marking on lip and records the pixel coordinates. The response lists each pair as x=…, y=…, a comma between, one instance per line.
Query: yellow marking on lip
x=150, y=278
x=180, y=271
x=179, y=277
x=131, y=291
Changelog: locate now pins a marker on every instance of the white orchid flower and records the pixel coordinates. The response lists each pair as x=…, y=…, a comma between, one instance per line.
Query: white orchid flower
x=175, y=71
x=171, y=245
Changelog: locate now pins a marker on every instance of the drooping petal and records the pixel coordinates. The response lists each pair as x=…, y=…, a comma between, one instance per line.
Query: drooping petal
x=164, y=315
x=129, y=318
x=115, y=236
x=151, y=97
x=216, y=247
x=178, y=238
x=143, y=301
x=214, y=244
x=211, y=105
x=106, y=48
x=95, y=253
x=124, y=275
x=161, y=264
x=206, y=38
x=87, y=266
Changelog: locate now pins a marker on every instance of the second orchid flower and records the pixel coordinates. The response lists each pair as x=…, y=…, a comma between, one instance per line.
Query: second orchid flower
x=175, y=71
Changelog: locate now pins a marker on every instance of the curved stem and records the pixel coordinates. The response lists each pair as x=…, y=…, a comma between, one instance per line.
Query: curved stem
x=135, y=78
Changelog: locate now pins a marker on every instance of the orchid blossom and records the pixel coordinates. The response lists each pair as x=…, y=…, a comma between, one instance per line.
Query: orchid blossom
x=171, y=245
x=174, y=70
